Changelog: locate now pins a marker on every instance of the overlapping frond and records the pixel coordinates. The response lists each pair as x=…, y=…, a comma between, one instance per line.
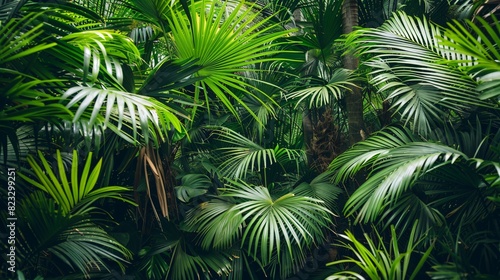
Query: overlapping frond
x=218, y=222
x=240, y=155
x=410, y=65
x=104, y=50
x=438, y=183
x=71, y=239
x=123, y=109
x=321, y=188
x=224, y=45
x=396, y=162
x=173, y=256
x=23, y=99
x=192, y=185
x=56, y=220
x=268, y=226
x=322, y=95
x=379, y=261
x=480, y=44
x=185, y=264
x=76, y=194
x=273, y=224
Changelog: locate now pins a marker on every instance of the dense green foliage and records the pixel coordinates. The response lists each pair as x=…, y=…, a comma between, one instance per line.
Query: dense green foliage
x=211, y=139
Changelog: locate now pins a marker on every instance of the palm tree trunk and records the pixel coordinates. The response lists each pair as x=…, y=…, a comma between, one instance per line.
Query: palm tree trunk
x=354, y=99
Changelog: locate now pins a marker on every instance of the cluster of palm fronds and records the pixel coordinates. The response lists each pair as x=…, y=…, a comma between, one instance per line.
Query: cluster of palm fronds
x=441, y=165
x=222, y=117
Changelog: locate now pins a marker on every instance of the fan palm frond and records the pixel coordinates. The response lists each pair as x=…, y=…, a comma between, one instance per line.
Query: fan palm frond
x=441, y=184
x=115, y=14
x=218, y=222
x=173, y=256
x=406, y=61
x=155, y=12
x=272, y=79
x=380, y=262
x=241, y=155
x=396, y=161
x=283, y=9
x=480, y=43
x=321, y=188
x=266, y=225
x=76, y=194
x=224, y=45
x=104, y=49
x=120, y=108
x=286, y=265
x=58, y=238
x=276, y=224
x=322, y=95
x=169, y=75
x=325, y=19
x=186, y=265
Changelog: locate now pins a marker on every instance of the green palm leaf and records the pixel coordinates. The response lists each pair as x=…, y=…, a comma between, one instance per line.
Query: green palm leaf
x=120, y=108
x=22, y=93
x=366, y=153
x=321, y=188
x=430, y=181
x=76, y=194
x=378, y=261
x=169, y=75
x=325, y=19
x=23, y=101
x=186, y=265
x=412, y=206
x=267, y=225
x=223, y=45
x=372, y=13
x=322, y=95
x=274, y=231
x=24, y=144
x=241, y=155
x=88, y=244
x=286, y=265
x=192, y=185
x=173, y=256
x=218, y=222
x=283, y=9
x=155, y=12
x=396, y=161
x=405, y=165
x=322, y=26
x=104, y=55
x=18, y=36
x=49, y=235
x=271, y=78
x=104, y=50
x=276, y=224
x=9, y=8
x=480, y=43
x=407, y=63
